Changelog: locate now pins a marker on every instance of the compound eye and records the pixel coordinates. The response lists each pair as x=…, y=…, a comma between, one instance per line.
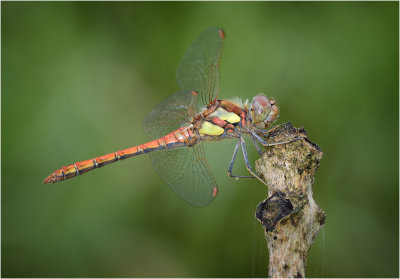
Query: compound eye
x=261, y=107
x=262, y=100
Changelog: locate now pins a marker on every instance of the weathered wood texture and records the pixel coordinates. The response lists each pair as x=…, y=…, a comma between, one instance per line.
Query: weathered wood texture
x=290, y=216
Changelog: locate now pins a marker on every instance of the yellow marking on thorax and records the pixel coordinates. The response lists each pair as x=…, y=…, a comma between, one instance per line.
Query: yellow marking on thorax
x=210, y=129
x=231, y=117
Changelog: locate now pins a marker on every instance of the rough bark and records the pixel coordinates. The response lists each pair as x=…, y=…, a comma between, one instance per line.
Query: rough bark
x=290, y=216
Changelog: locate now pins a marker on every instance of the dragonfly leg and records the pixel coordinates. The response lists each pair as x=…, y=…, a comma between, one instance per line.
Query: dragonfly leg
x=233, y=162
x=266, y=133
x=246, y=160
x=256, y=145
x=264, y=143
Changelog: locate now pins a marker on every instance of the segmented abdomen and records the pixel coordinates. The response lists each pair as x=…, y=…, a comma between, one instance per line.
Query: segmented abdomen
x=179, y=138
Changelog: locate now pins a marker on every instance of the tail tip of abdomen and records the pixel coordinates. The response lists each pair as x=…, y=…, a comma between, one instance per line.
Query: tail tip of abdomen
x=50, y=179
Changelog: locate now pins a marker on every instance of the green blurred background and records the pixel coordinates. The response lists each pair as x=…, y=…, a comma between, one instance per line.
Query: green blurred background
x=78, y=79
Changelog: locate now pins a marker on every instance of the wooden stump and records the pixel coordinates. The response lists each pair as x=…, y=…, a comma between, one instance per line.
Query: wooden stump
x=290, y=216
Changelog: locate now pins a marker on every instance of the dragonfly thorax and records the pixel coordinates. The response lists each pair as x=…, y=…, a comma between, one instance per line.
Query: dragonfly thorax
x=263, y=111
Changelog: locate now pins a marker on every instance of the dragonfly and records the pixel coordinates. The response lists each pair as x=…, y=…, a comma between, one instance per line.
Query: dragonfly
x=180, y=124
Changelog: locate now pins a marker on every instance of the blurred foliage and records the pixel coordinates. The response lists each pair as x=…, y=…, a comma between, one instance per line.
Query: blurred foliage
x=79, y=77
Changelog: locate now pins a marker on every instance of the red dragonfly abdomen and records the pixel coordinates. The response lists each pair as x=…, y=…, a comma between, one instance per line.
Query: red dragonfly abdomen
x=179, y=138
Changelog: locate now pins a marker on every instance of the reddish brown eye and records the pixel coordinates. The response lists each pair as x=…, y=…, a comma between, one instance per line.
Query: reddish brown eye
x=262, y=100
x=261, y=108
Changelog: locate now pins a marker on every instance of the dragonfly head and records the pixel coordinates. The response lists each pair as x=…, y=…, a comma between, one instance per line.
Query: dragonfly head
x=263, y=111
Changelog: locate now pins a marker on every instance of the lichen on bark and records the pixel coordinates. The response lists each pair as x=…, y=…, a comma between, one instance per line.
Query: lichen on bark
x=290, y=216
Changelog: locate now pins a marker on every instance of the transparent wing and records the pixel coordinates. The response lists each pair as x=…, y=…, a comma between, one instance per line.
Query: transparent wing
x=198, y=71
x=170, y=114
x=186, y=171
x=199, y=68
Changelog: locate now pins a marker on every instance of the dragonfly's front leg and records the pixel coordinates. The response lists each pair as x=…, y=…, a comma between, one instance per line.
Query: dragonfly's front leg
x=233, y=162
x=267, y=133
x=264, y=143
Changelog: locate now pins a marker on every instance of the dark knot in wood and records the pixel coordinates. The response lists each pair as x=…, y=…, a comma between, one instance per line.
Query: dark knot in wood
x=270, y=211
